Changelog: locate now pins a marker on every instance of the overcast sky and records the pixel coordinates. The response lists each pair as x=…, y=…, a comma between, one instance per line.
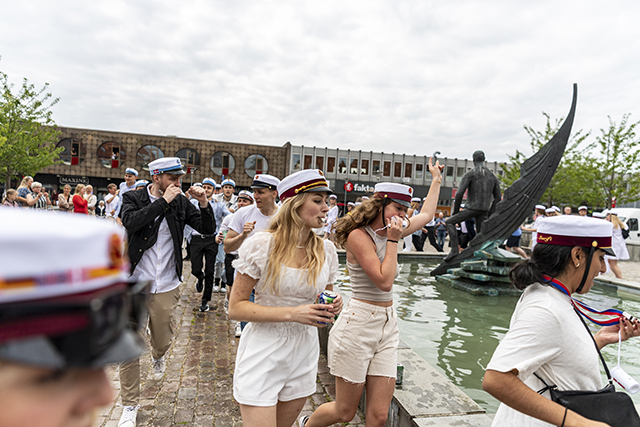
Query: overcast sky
x=396, y=76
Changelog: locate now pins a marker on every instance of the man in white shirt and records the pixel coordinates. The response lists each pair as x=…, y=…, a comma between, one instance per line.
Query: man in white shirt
x=112, y=202
x=155, y=218
x=227, y=197
x=254, y=217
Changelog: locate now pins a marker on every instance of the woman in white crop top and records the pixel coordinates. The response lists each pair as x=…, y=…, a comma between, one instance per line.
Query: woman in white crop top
x=288, y=265
x=364, y=340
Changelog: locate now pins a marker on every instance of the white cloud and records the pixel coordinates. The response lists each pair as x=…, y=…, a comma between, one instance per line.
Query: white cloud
x=405, y=76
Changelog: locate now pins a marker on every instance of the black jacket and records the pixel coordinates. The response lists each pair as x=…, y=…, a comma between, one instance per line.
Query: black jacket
x=139, y=218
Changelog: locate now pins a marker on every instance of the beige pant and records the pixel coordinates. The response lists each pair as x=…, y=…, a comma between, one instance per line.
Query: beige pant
x=161, y=307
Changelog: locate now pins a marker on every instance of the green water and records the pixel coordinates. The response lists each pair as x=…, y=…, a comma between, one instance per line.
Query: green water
x=457, y=332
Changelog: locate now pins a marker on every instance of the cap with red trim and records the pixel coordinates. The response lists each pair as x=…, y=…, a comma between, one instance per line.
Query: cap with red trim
x=71, y=306
x=399, y=193
x=571, y=230
x=244, y=194
x=308, y=180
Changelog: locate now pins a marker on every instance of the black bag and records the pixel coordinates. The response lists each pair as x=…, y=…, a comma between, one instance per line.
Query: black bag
x=625, y=233
x=606, y=405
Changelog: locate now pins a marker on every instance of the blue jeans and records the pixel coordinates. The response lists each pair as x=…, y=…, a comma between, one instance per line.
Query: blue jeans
x=441, y=235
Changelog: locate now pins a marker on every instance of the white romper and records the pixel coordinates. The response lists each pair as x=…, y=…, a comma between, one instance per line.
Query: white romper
x=278, y=361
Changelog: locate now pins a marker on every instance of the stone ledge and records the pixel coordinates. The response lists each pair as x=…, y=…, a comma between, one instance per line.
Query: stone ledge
x=457, y=421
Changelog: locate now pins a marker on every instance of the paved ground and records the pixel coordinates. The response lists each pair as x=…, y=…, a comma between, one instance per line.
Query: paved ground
x=197, y=387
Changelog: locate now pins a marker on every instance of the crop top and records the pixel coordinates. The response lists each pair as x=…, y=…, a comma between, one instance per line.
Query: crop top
x=362, y=287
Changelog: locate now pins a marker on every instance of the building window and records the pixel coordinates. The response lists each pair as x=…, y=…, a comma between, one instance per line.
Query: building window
x=308, y=161
x=331, y=164
x=190, y=159
x=222, y=163
x=500, y=173
x=148, y=154
x=407, y=170
x=449, y=172
x=387, y=169
x=353, y=167
x=375, y=167
x=364, y=170
x=397, y=170
x=320, y=162
x=418, y=170
x=296, y=162
x=459, y=172
x=74, y=151
x=633, y=224
x=111, y=155
x=342, y=165
x=256, y=164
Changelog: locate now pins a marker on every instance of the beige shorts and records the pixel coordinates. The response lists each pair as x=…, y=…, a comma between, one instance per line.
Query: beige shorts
x=364, y=341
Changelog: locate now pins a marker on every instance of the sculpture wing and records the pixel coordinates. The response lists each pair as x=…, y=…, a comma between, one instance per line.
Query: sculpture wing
x=521, y=197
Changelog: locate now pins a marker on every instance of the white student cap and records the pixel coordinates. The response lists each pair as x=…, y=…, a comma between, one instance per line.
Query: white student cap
x=542, y=207
x=308, y=180
x=582, y=208
x=265, y=181
x=209, y=181
x=132, y=171
x=141, y=183
x=399, y=193
x=571, y=230
x=246, y=195
x=170, y=165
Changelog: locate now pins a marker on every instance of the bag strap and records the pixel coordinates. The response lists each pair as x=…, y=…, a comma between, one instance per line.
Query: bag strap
x=606, y=368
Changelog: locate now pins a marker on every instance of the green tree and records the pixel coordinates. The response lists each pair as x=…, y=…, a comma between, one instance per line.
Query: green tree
x=567, y=187
x=616, y=171
x=27, y=131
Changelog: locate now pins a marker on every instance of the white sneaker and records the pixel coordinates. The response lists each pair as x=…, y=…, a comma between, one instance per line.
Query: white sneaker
x=225, y=304
x=303, y=420
x=128, y=417
x=158, y=368
x=216, y=288
x=238, y=330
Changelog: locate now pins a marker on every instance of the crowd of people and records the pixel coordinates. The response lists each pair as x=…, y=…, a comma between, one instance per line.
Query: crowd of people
x=272, y=251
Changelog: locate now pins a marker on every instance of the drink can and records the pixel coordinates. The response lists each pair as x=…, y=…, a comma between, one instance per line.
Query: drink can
x=326, y=297
x=399, y=374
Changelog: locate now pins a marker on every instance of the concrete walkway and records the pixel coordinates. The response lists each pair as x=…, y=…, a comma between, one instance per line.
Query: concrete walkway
x=197, y=389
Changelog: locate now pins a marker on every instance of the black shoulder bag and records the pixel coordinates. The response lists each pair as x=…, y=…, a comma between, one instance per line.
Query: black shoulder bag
x=606, y=405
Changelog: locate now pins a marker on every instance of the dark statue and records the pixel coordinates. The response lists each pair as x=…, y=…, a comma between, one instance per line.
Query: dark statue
x=518, y=200
x=483, y=193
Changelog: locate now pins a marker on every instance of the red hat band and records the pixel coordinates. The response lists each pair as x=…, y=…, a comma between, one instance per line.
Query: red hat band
x=302, y=187
x=554, y=239
x=390, y=195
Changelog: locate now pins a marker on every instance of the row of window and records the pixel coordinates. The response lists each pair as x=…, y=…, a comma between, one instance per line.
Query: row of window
x=354, y=168
x=112, y=155
x=362, y=168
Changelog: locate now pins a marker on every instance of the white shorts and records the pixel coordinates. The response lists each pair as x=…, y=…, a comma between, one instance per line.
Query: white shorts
x=275, y=362
x=364, y=341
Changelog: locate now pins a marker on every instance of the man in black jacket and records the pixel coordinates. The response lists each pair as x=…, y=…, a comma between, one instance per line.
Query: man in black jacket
x=155, y=218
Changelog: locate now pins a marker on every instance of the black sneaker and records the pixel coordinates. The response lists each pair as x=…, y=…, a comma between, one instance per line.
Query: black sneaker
x=200, y=284
x=204, y=306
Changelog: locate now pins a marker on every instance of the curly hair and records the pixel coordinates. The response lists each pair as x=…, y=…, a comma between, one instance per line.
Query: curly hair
x=286, y=227
x=359, y=216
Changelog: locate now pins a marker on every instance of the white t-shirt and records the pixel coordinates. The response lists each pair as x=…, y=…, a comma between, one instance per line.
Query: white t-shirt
x=113, y=206
x=250, y=214
x=547, y=337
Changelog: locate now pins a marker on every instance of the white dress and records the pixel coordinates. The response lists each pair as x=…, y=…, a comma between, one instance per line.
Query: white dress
x=332, y=216
x=618, y=245
x=278, y=361
x=547, y=337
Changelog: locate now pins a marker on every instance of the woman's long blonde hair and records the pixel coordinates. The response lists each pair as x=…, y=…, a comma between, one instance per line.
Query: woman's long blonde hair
x=285, y=228
x=617, y=222
x=359, y=216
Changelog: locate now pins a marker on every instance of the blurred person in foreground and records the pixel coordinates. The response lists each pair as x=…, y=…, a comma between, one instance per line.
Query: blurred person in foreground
x=62, y=319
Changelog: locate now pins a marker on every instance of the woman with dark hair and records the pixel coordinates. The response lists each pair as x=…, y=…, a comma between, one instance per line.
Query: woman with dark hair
x=288, y=265
x=547, y=340
x=364, y=340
